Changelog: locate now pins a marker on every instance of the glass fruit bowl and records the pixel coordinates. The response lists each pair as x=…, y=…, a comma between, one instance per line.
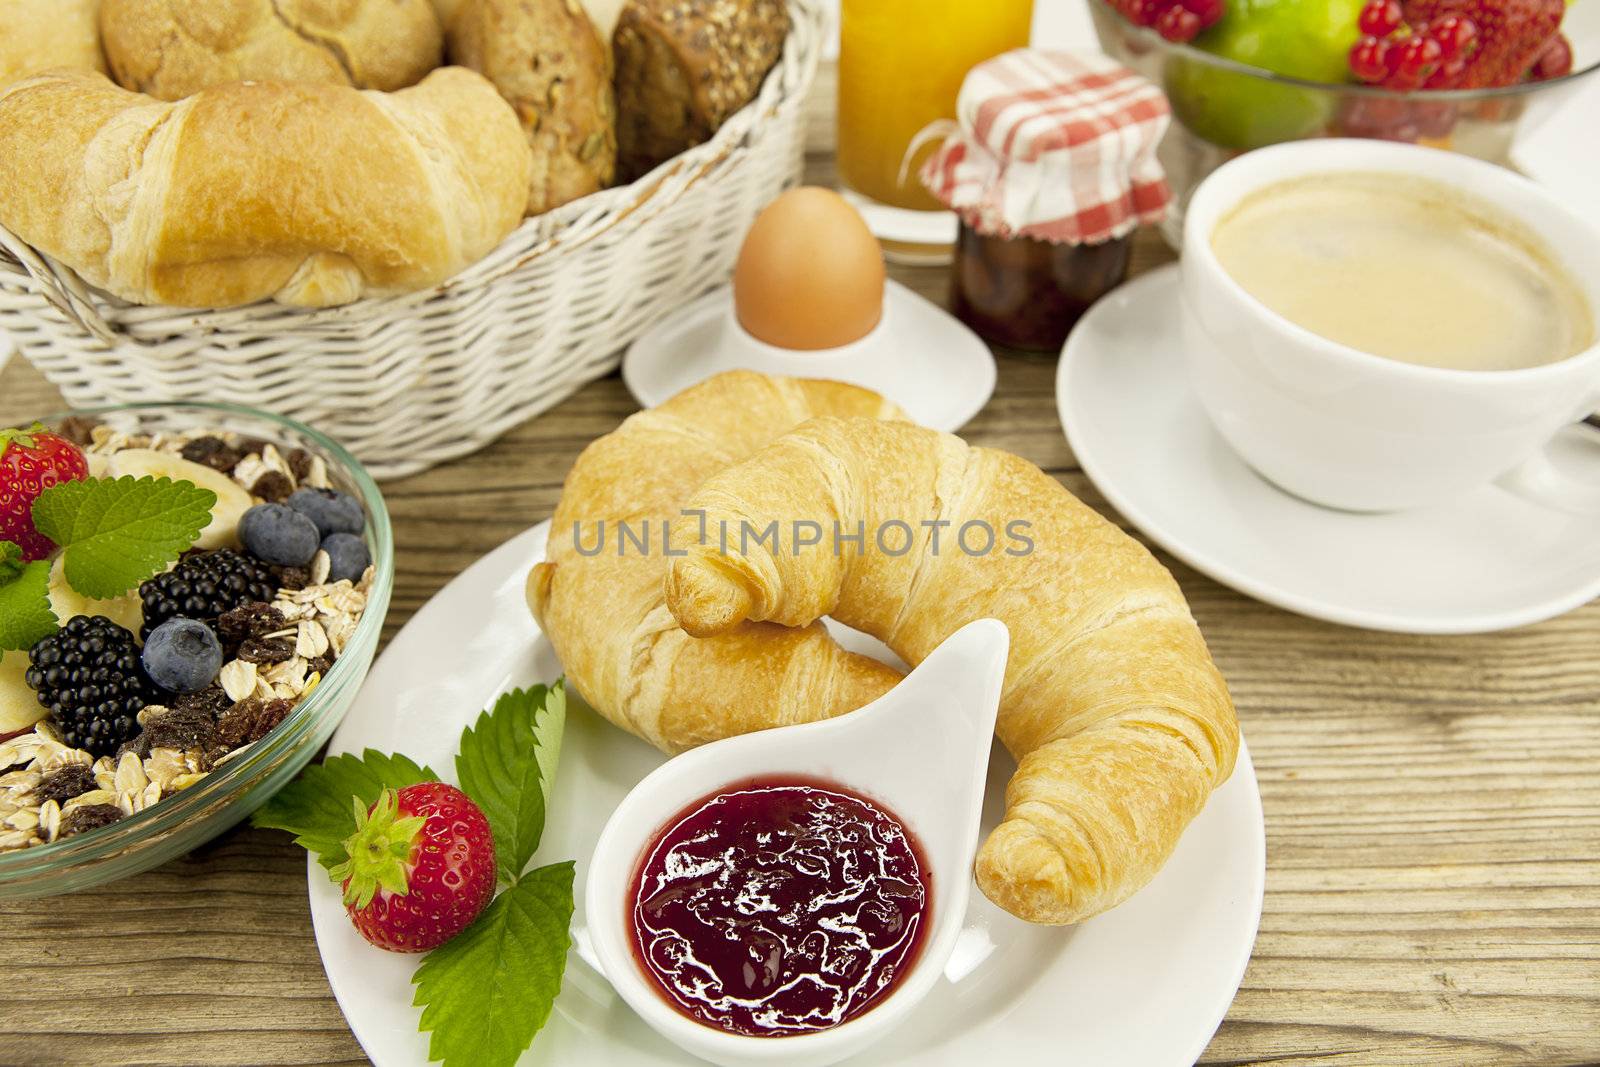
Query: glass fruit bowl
x=233, y=789
x=1221, y=108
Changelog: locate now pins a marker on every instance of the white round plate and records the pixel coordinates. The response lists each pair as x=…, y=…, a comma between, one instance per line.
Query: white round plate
x=1486, y=561
x=920, y=356
x=1144, y=985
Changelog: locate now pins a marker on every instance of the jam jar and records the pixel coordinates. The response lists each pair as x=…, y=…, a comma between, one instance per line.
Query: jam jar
x=1051, y=166
x=1023, y=292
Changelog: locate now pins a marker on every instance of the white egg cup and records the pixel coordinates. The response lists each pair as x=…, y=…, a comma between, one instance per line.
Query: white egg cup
x=918, y=355
x=935, y=786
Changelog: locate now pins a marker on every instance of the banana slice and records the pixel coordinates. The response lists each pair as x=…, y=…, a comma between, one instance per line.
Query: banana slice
x=232, y=501
x=19, y=708
x=126, y=610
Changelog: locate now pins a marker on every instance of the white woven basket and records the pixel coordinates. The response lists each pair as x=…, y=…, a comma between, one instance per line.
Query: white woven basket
x=410, y=381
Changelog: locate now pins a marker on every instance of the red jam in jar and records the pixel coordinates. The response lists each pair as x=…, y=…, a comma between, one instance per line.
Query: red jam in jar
x=778, y=907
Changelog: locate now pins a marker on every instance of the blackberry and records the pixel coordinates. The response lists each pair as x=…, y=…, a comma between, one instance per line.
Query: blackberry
x=88, y=675
x=205, y=587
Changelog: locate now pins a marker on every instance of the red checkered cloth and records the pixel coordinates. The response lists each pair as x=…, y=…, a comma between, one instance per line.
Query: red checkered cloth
x=1059, y=146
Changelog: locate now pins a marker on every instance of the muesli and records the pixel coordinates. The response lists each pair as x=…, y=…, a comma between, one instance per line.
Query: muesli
x=166, y=601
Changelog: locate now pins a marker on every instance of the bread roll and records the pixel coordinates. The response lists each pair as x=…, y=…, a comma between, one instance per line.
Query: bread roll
x=548, y=61
x=172, y=48
x=307, y=194
x=1119, y=720
x=684, y=67
x=38, y=35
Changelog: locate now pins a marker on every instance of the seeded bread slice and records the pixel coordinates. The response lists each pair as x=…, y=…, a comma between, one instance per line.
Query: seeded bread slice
x=683, y=67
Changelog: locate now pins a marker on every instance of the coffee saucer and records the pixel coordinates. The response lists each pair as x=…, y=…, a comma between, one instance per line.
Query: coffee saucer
x=1488, y=560
x=919, y=355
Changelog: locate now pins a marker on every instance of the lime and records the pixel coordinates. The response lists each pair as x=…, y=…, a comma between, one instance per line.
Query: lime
x=1308, y=39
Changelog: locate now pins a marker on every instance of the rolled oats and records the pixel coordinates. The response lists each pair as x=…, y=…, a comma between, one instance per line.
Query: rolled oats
x=312, y=640
x=49, y=820
x=238, y=679
x=93, y=797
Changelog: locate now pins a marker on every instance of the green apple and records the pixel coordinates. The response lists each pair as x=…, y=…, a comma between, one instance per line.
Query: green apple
x=1306, y=39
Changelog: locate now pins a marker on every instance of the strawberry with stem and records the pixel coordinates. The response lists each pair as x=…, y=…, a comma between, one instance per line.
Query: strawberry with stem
x=421, y=867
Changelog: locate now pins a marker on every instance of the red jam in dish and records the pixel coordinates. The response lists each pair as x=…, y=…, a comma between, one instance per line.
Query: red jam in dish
x=778, y=907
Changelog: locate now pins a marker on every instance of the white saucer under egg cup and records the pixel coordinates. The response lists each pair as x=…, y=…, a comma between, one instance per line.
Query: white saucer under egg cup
x=918, y=355
x=921, y=750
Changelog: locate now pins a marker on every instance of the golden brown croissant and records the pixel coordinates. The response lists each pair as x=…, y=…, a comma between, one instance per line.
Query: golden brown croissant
x=311, y=195
x=606, y=615
x=1112, y=705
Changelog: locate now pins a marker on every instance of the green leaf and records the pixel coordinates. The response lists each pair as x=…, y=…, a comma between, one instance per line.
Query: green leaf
x=485, y=994
x=507, y=764
x=11, y=561
x=25, y=615
x=316, y=807
x=116, y=533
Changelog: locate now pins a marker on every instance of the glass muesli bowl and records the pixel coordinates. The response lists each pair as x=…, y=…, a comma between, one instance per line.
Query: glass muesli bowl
x=1221, y=108
x=231, y=791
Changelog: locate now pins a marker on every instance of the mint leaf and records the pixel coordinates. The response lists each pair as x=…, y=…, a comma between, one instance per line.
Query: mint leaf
x=11, y=561
x=485, y=994
x=506, y=764
x=25, y=615
x=316, y=807
x=116, y=533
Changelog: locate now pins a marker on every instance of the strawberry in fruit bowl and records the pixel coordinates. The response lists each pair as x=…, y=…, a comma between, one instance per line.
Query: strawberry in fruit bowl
x=31, y=461
x=421, y=867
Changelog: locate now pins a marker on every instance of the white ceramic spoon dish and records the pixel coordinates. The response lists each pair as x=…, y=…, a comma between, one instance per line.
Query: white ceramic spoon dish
x=1488, y=560
x=934, y=785
x=919, y=355
x=1015, y=993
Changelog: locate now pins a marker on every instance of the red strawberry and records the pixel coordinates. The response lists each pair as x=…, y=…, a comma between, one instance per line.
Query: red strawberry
x=31, y=461
x=421, y=867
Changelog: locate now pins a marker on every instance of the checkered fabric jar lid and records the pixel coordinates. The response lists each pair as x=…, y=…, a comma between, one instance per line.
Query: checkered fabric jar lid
x=1059, y=146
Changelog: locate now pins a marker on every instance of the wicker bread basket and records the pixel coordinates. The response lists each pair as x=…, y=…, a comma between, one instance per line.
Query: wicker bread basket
x=410, y=381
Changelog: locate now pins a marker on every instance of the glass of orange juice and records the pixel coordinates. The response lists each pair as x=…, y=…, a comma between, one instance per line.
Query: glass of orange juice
x=901, y=64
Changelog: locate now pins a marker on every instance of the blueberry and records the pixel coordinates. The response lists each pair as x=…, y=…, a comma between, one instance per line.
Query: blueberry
x=332, y=511
x=275, y=533
x=347, y=556
x=182, y=656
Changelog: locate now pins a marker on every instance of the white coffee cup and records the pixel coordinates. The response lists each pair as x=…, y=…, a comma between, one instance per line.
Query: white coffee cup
x=1347, y=429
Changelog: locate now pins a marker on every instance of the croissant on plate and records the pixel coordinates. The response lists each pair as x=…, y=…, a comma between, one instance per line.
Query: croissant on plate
x=1120, y=722
x=603, y=606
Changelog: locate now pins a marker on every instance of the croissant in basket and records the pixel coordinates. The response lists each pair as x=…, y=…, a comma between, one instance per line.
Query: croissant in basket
x=310, y=195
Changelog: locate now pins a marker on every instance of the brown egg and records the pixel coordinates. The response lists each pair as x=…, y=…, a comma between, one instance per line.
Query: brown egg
x=810, y=274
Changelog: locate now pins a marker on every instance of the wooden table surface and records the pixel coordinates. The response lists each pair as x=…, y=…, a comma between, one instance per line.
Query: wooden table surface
x=1432, y=806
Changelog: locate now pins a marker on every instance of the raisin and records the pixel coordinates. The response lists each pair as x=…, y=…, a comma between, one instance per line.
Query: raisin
x=187, y=729
x=262, y=650
x=299, y=464
x=250, y=720
x=64, y=783
x=212, y=452
x=249, y=620
x=211, y=701
x=273, y=487
x=89, y=817
x=291, y=577
x=79, y=429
